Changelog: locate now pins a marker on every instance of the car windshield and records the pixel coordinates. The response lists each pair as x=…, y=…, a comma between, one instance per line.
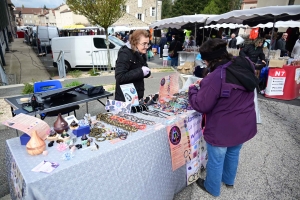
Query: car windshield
x=116, y=40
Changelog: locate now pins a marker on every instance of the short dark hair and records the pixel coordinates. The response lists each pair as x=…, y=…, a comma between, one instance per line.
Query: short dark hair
x=213, y=45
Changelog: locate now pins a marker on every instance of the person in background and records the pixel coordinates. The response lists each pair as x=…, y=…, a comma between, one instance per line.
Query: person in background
x=296, y=49
x=165, y=55
x=162, y=43
x=281, y=45
x=131, y=64
x=225, y=97
x=175, y=46
x=232, y=42
x=254, y=51
x=224, y=37
x=191, y=42
x=267, y=42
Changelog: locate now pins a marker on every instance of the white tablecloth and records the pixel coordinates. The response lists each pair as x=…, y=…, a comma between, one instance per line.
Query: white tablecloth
x=136, y=168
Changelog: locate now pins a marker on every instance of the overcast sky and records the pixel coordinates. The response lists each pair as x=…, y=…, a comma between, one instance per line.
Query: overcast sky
x=38, y=3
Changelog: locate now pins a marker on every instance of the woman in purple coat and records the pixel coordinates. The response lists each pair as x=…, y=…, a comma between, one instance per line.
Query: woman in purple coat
x=226, y=97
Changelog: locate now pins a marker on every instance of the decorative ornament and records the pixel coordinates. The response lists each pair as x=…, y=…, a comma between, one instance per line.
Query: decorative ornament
x=84, y=137
x=60, y=125
x=67, y=156
x=35, y=145
x=62, y=146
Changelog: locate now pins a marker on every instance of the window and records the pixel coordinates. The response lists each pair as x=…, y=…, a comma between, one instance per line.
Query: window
x=24, y=16
x=152, y=11
x=29, y=16
x=139, y=16
x=116, y=41
x=99, y=43
x=140, y=2
x=26, y=21
x=30, y=21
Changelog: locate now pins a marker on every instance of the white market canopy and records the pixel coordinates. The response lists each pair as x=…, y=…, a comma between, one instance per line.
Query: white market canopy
x=279, y=24
x=231, y=26
x=253, y=17
x=178, y=22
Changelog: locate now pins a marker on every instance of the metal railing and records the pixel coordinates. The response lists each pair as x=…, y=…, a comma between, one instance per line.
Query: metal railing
x=100, y=60
x=61, y=65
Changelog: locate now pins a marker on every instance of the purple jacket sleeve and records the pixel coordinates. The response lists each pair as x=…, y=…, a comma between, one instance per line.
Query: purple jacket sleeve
x=204, y=99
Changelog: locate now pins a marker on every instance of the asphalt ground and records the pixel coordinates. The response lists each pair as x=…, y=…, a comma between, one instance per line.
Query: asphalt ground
x=269, y=163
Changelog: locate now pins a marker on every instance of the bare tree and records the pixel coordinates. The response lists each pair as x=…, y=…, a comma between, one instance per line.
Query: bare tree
x=99, y=12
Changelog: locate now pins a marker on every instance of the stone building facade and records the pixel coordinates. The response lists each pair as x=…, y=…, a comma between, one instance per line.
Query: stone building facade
x=144, y=10
x=138, y=13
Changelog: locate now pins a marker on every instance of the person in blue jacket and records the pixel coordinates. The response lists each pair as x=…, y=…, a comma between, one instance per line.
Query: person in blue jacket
x=226, y=97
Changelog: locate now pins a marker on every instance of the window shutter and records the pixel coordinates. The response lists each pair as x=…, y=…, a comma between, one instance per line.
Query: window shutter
x=136, y=15
x=127, y=9
x=150, y=11
x=143, y=17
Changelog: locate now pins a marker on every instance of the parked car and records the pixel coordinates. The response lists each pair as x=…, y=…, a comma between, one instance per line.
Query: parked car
x=79, y=51
x=44, y=36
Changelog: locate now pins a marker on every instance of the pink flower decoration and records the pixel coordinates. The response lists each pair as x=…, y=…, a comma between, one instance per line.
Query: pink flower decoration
x=62, y=146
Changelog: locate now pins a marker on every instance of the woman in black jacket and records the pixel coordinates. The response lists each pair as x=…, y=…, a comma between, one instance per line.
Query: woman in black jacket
x=175, y=46
x=131, y=65
x=254, y=51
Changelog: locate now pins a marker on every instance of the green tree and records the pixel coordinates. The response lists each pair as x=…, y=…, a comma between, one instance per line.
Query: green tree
x=188, y=7
x=45, y=7
x=100, y=12
x=23, y=6
x=221, y=6
x=166, y=9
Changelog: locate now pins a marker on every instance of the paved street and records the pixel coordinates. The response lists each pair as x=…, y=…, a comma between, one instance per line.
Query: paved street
x=269, y=163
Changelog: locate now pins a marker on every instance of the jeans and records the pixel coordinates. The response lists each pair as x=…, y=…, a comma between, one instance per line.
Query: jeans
x=221, y=167
x=174, y=62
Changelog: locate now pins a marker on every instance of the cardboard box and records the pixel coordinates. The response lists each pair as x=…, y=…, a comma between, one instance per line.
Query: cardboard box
x=277, y=63
x=82, y=130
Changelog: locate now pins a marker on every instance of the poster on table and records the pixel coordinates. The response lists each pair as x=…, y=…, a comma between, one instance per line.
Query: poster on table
x=179, y=144
x=130, y=94
x=276, y=80
x=198, y=147
x=168, y=87
x=28, y=124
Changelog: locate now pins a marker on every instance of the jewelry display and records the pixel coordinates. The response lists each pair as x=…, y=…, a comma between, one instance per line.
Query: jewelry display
x=178, y=104
x=119, y=122
x=136, y=119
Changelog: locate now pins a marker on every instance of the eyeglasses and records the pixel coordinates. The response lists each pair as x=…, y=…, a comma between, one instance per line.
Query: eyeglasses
x=146, y=45
x=285, y=35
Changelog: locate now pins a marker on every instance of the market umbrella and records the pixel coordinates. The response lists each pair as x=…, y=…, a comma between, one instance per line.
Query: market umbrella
x=263, y=15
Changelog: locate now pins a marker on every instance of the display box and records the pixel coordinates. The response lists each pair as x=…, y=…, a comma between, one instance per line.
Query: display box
x=82, y=130
x=277, y=63
x=24, y=139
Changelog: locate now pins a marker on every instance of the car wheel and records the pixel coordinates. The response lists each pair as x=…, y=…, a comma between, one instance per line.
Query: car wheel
x=67, y=66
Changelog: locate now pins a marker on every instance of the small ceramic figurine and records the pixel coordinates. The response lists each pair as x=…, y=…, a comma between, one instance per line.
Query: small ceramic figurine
x=74, y=125
x=84, y=137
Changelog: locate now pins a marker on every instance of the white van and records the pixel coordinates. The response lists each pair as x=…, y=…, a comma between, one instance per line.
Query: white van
x=45, y=34
x=78, y=50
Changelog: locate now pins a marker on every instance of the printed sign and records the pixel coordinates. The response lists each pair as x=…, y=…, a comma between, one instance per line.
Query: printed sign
x=276, y=81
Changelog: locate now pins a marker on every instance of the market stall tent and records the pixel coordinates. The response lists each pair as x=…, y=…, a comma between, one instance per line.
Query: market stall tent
x=179, y=22
x=279, y=24
x=253, y=17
